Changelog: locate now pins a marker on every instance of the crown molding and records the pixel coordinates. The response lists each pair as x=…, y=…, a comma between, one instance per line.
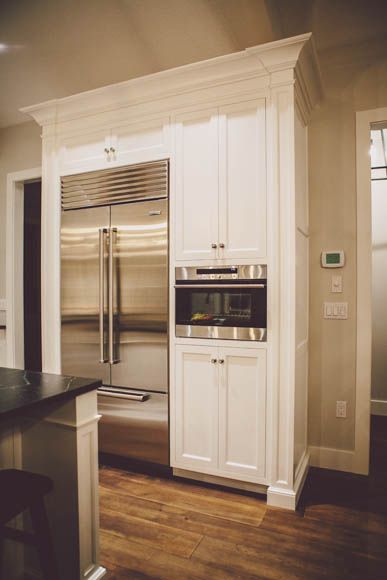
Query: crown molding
x=258, y=61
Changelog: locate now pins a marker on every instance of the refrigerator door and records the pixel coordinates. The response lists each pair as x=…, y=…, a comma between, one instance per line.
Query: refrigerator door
x=84, y=266
x=140, y=294
x=134, y=429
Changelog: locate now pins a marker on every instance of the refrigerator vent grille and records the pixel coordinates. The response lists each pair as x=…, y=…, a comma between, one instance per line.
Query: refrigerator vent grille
x=139, y=182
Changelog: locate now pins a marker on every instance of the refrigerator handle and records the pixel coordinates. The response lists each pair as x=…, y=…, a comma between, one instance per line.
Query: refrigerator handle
x=112, y=360
x=102, y=232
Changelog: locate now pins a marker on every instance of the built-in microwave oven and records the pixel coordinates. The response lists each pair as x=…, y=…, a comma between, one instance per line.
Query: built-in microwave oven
x=224, y=302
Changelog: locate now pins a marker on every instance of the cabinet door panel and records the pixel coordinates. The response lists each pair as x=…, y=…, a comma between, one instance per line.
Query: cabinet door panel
x=242, y=412
x=196, y=185
x=140, y=142
x=196, y=392
x=242, y=219
x=84, y=152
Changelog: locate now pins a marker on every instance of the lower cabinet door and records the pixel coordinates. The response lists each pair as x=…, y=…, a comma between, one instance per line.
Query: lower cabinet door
x=242, y=412
x=196, y=407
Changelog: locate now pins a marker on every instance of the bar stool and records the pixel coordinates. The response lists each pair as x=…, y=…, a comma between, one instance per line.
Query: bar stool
x=19, y=491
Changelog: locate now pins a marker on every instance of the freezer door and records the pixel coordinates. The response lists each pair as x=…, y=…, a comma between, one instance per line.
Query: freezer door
x=140, y=292
x=84, y=263
x=134, y=429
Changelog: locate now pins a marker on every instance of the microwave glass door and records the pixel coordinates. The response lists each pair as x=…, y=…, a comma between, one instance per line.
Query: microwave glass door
x=217, y=306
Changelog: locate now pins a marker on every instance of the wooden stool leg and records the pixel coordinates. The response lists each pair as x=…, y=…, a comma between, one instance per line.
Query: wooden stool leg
x=43, y=539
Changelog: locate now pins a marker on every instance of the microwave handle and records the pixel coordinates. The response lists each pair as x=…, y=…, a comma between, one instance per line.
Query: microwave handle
x=234, y=286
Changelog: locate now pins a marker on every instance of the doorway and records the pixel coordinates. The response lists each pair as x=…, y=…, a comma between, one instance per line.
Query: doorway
x=32, y=276
x=378, y=154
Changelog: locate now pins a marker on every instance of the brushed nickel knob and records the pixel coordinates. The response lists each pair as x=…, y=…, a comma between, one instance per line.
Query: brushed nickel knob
x=112, y=150
x=214, y=361
x=221, y=361
x=214, y=246
x=106, y=150
x=221, y=245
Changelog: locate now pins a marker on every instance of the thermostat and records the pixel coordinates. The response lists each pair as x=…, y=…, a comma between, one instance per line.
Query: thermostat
x=334, y=259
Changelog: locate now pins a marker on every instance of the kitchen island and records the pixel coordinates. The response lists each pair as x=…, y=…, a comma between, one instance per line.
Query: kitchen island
x=48, y=425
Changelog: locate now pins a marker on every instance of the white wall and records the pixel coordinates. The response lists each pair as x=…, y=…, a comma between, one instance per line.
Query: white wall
x=379, y=291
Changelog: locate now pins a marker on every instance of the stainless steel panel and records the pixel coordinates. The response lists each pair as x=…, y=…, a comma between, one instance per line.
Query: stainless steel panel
x=251, y=272
x=135, y=429
x=80, y=293
x=141, y=295
x=117, y=185
x=221, y=332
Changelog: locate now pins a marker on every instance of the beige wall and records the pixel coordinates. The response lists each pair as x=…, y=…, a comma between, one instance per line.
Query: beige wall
x=351, y=84
x=20, y=148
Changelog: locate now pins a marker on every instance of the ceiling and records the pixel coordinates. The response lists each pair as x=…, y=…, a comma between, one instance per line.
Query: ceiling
x=54, y=48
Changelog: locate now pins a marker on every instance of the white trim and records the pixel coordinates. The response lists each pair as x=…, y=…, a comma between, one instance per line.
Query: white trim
x=330, y=458
x=3, y=304
x=364, y=119
x=289, y=498
x=254, y=62
x=378, y=407
x=14, y=264
x=216, y=480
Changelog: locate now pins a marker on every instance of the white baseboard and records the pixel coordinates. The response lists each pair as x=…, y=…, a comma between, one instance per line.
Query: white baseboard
x=288, y=498
x=330, y=458
x=378, y=407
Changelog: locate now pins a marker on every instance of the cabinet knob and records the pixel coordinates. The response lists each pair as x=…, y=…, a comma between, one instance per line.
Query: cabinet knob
x=112, y=150
x=106, y=150
x=214, y=246
x=214, y=361
x=221, y=361
x=221, y=245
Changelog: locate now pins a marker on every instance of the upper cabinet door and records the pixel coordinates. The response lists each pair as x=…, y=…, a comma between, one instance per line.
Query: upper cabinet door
x=85, y=152
x=242, y=412
x=196, y=221
x=195, y=420
x=242, y=218
x=140, y=142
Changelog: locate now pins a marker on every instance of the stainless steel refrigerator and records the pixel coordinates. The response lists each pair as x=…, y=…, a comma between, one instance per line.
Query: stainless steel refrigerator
x=114, y=301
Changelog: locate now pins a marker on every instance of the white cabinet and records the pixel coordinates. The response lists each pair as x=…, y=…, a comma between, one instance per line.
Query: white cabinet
x=123, y=144
x=84, y=152
x=196, y=406
x=220, y=408
x=242, y=411
x=242, y=191
x=196, y=149
x=221, y=183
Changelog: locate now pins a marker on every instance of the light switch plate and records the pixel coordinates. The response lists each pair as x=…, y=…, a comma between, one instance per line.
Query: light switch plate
x=336, y=310
x=337, y=283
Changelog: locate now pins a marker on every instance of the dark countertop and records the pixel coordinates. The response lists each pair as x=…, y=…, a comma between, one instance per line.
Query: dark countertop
x=21, y=390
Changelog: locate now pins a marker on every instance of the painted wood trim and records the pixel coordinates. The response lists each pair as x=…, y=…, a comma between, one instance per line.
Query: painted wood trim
x=253, y=62
x=364, y=119
x=330, y=458
x=14, y=264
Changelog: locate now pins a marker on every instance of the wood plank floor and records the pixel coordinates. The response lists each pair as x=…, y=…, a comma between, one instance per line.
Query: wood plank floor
x=170, y=529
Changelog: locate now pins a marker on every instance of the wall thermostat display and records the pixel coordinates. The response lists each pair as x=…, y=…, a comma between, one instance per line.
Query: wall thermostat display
x=334, y=259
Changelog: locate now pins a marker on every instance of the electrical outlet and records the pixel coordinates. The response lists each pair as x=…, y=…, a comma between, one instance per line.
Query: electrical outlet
x=341, y=409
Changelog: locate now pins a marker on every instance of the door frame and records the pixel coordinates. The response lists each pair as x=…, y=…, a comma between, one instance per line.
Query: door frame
x=364, y=120
x=14, y=264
